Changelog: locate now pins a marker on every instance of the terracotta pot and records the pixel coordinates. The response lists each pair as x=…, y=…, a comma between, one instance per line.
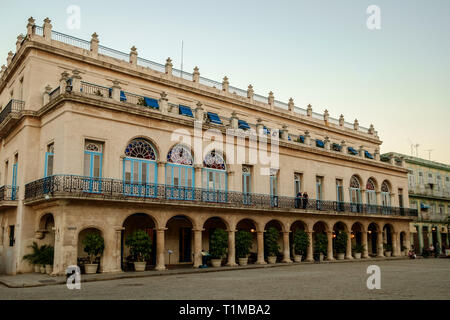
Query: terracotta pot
x=140, y=266
x=48, y=268
x=297, y=258
x=272, y=259
x=216, y=262
x=388, y=253
x=42, y=268
x=37, y=268
x=340, y=256
x=243, y=261
x=357, y=255
x=90, y=268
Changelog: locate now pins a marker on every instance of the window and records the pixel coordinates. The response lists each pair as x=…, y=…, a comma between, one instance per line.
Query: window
x=49, y=158
x=319, y=191
x=5, y=182
x=140, y=169
x=421, y=180
x=243, y=125
x=385, y=195
x=274, y=187
x=400, y=198
x=371, y=196
x=447, y=183
x=93, y=154
x=12, y=239
x=297, y=183
x=411, y=179
x=438, y=182
x=441, y=209
x=246, y=183
x=180, y=173
x=340, y=194
x=14, y=177
x=214, y=118
x=20, y=97
x=355, y=194
x=430, y=178
x=214, y=177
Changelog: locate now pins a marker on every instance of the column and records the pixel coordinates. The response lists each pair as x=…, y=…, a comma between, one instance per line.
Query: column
x=438, y=238
x=118, y=267
x=161, y=173
x=198, y=176
x=395, y=244
x=309, y=253
x=380, y=251
x=349, y=247
x=420, y=237
x=260, y=237
x=197, y=247
x=286, y=253
x=365, y=253
x=330, y=246
x=408, y=240
x=160, y=249
x=231, y=249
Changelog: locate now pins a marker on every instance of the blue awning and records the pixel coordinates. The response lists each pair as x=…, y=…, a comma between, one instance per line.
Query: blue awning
x=352, y=151
x=320, y=143
x=153, y=103
x=302, y=139
x=185, y=111
x=337, y=147
x=243, y=125
x=123, y=97
x=214, y=118
x=368, y=154
x=424, y=206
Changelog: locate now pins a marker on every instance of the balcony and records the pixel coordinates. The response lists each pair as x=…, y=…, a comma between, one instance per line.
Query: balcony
x=70, y=186
x=10, y=115
x=441, y=193
x=8, y=196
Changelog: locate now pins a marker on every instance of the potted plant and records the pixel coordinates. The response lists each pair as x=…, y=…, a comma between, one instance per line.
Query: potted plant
x=358, y=250
x=33, y=257
x=301, y=243
x=320, y=245
x=387, y=249
x=271, y=244
x=218, y=246
x=340, y=243
x=94, y=245
x=98, y=93
x=47, y=258
x=244, y=241
x=140, y=248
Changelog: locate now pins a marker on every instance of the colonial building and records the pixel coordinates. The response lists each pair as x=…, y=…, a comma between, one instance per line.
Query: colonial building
x=429, y=193
x=96, y=140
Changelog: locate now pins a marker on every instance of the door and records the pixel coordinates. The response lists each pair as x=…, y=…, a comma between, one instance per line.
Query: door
x=355, y=200
x=139, y=178
x=180, y=182
x=14, y=182
x=92, y=172
x=246, y=187
x=185, y=245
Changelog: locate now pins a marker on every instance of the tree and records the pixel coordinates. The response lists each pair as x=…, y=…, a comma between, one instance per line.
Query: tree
x=218, y=244
x=94, y=245
x=301, y=242
x=244, y=241
x=271, y=241
x=140, y=245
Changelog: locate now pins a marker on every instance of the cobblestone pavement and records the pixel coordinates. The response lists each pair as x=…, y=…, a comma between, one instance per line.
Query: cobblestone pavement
x=401, y=279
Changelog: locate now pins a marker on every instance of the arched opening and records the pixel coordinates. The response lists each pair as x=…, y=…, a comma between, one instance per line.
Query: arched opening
x=279, y=227
x=339, y=248
x=209, y=227
x=356, y=236
x=387, y=239
x=179, y=241
x=355, y=194
x=180, y=173
x=140, y=169
x=250, y=226
x=214, y=177
x=385, y=197
x=371, y=196
x=46, y=229
x=137, y=221
x=297, y=226
x=320, y=239
x=82, y=256
x=372, y=239
x=403, y=248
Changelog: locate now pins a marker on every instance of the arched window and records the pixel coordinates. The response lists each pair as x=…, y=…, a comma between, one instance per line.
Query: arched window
x=371, y=196
x=214, y=177
x=140, y=169
x=355, y=194
x=180, y=173
x=385, y=194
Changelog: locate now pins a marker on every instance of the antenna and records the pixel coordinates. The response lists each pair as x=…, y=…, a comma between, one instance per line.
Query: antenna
x=417, y=149
x=429, y=153
x=182, y=49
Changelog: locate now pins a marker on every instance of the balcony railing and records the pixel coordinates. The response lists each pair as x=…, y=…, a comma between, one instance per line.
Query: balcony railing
x=13, y=106
x=8, y=193
x=113, y=189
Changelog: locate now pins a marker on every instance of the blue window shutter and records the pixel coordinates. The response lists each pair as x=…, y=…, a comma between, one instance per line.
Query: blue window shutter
x=319, y=143
x=153, y=103
x=302, y=139
x=123, y=97
x=185, y=111
x=243, y=125
x=214, y=118
x=368, y=154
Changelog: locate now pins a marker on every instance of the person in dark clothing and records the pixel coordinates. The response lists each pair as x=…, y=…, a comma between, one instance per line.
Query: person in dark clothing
x=298, y=200
x=305, y=200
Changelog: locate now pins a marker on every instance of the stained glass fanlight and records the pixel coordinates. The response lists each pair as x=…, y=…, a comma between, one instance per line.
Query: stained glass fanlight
x=370, y=185
x=214, y=160
x=384, y=187
x=354, y=182
x=141, y=149
x=180, y=155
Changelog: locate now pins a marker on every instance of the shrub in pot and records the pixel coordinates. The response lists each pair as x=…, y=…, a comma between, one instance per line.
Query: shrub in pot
x=47, y=256
x=33, y=257
x=301, y=243
x=340, y=244
x=320, y=245
x=387, y=249
x=271, y=246
x=140, y=246
x=218, y=246
x=94, y=244
x=244, y=241
x=358, y=250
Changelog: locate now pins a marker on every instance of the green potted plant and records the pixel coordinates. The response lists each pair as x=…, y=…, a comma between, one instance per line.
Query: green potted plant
x=340, y=244
x=271, y=244
x=140, y=246
x=244, y=241
x=218, y=246
x=387, y=249
x=33, y=257
x=301, y=243
x=358, y=250
x=94, y=244
x=320, y=245
x=47, y=257
x=98, y=93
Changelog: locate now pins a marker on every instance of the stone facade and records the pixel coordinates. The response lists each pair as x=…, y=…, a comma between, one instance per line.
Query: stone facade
x=91, y=143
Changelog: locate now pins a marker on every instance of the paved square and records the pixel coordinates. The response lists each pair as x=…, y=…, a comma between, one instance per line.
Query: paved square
x=400, y=279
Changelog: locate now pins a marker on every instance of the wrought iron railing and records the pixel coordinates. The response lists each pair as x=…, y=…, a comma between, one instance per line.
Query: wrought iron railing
x=8, y=193
x=113, y=189
x=12, y=107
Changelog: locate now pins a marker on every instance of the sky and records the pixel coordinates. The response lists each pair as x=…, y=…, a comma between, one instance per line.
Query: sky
x=318, y=52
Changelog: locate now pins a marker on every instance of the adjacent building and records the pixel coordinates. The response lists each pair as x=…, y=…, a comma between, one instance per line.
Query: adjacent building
x=96, y=140
x=429, y=193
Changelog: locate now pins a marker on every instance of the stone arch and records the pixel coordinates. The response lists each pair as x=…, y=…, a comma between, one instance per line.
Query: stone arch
x=179, y=239
x=387, y=183
x=209, y=226
x=45, y=230
x=192, y=220
x=251, y=226
x=357, y=229
x=81, y=255
x=225, y=222
x=358, y=179
x=271, y=222
x=373, y=232
x=340, y=226
x=388, y=235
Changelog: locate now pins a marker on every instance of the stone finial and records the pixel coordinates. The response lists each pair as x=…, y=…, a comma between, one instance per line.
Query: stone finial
x=30, y=27
x=94, y=44
x=2, y=71
x=341, y=120
x=225, y=84
x=402, y=162
x=392, y=160
x=284, y=132
x=47, y=32
x=356, y=125
x=371, y=129
x=169, y=66
x=196, y=75
x=309, y=110
x=163, y=103
x=199, y=112
x=234, y=121
x=326, y=116
x=133, y=56
x=94, y=37
x=9, y=59
x=115, y=94
x=46, y=95
x=31, y=21
x=271, y=99
x=20, y=38
x=361, y=151
x=250, y=92
x=343, y=146
x=48, y=88
x=376, y=154
x=291, y=105
x=259, y=126
x=327, y=143
x=307, y=138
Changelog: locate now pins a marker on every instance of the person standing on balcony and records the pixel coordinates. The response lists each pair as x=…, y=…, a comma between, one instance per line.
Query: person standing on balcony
x=298, y=200
x=305, y=200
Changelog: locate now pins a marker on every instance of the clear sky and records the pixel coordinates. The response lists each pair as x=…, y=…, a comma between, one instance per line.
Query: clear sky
x=318, y=52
